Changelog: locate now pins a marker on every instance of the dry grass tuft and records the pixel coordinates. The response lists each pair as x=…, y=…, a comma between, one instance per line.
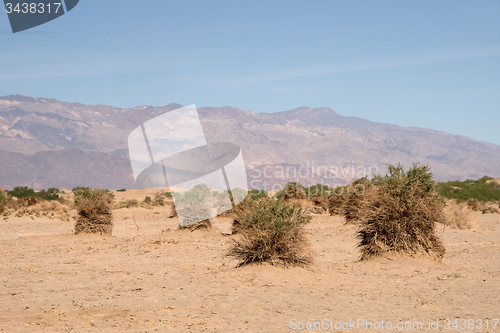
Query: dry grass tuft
x=242, y=208
x=475, y=205
x=95, y=213
x=398, y=215
x=458, y=215
x=353, y=208
x=293, y=190
x=320, y=204
x=49, y=209
x=3, y=200
x=202, y=225
x=126, y=203
x=355, y=196
x=337, y=200
x=236, y=226
x=490, y=210
x=272, y=232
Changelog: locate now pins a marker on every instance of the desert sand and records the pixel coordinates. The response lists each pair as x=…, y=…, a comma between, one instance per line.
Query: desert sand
x=151, y=277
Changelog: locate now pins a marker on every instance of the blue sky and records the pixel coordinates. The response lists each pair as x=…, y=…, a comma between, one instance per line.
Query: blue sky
x=431, y=64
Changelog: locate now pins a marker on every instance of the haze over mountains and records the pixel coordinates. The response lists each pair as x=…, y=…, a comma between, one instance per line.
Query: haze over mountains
x=47, y=143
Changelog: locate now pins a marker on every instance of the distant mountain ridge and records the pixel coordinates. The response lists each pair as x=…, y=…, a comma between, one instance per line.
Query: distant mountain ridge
x=47, y=143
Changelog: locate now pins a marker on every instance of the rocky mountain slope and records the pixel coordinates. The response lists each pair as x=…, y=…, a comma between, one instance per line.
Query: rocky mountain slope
x=47, y=143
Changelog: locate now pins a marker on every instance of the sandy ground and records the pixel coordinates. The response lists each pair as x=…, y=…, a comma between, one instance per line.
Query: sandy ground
x=151, y=277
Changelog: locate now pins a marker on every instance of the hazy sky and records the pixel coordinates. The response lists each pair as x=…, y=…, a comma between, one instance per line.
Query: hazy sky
x=432, y=64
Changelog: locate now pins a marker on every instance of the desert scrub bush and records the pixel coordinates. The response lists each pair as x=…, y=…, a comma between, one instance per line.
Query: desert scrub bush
x=458, y=215
x=490, y=210
x=337, y=199
x=94, y=210
x=354, y=199
x=159, y=199
x=25, y=192
x=318, y=190
x=4, y=198
x=257, y=194
x=194, y=205
x=399, y=213
x=202, y=225
x=92, y=194
x=43, y=208
x=320, y=204
x=272, y=232
x=126, y=203
x=292, y=190
x=318, y=198
x=239, y=211
x=482, y=190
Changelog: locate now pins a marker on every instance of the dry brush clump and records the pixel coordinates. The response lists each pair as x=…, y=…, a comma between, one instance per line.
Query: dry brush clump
x=319, y=204
x=272, y=232
x=95, y=211
x=355, y=196
x=458, y=215
x=346, y=200
x=43, y=208
x=126, y=203
x=243, y=208
x=194, y=207
x=202, y=225
x=293, y=190
x=32, y=207
x=317, y=196
x=399, y=213
x=337, y=200
x=490, y=210
x=5, y=199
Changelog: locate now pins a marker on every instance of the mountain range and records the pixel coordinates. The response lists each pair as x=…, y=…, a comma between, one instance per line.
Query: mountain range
x=48, y=143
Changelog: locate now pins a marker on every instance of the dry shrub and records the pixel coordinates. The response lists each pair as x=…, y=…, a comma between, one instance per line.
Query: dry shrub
x=475, y=205
x=337, y=200
x=316, y=210
x=126, y=203
x=458, y=215
x=320, y=204
x=352, y=208
x=3, y=200
x=355, y=196
x=44, y=208
x=28, y=201
x=272, y=232
x=236, y=226
x=202, y=225
x=490, y=210
x=293, y=190
x=243, y=208
x=95, y=213
x=399, y=214
x=159, y=199
x=240, y=209
x=191, y=215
